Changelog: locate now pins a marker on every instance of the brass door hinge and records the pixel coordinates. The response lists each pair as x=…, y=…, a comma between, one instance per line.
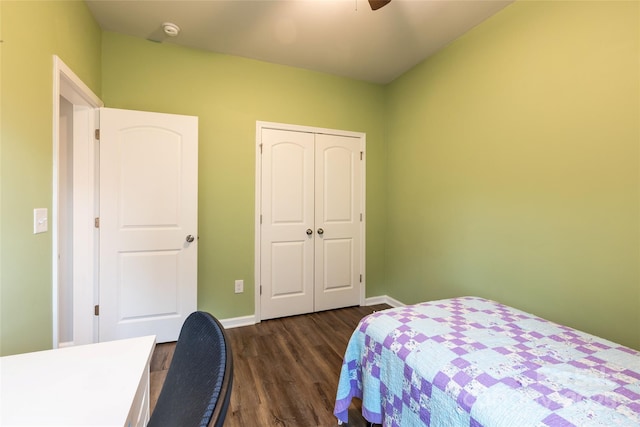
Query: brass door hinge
x=97, y=134
x=96, y=310
x=96, y=222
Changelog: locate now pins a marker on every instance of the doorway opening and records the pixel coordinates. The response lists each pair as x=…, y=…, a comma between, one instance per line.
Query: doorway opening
x=74, y=240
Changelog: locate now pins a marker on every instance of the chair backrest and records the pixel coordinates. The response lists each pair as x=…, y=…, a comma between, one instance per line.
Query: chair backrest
x=197, y=388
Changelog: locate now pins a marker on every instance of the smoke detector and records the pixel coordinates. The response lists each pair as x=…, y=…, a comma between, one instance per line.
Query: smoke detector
x=170, y=29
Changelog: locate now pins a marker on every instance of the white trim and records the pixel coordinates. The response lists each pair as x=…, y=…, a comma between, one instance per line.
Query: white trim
x=363, y=223
x=237, y=322
x=69, y=86
x=384, y=299
x=309, y=129
x=260, y=125
x=85, y=235
x=256, y=228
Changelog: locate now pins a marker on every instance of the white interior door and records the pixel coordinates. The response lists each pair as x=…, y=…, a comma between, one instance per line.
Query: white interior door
x=337, y=220
x=286, y=245
x=311, y=244
x=148, y=223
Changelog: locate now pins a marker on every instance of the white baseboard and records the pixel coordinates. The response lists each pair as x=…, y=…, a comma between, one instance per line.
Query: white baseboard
x=65, y=344
x=383, y=299
x=236, y=322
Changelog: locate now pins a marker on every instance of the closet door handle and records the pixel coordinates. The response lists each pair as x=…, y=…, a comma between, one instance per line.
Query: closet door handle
x=320, y=231
x=309, y=232
x=190, y=238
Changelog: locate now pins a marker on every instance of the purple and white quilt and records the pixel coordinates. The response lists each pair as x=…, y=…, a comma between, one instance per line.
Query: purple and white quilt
x=474, y=362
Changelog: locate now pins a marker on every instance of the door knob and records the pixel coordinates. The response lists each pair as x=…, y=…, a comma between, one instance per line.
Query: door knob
x=320, y=231
x=309, y=232
x=190, y=238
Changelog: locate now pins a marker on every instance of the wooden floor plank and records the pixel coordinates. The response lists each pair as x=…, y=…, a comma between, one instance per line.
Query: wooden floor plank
x=285, y=370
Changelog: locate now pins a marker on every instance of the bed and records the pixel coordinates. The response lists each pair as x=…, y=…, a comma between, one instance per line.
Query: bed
x=474, y=362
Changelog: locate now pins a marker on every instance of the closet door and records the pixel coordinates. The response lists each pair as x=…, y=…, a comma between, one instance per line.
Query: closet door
x=337, y=220
x=311, y=223
x=287, y=229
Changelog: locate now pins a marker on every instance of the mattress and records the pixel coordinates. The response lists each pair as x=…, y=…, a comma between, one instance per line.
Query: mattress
x=474, y=362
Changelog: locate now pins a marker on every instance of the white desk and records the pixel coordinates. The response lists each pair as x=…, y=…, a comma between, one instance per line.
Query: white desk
x=105, y=384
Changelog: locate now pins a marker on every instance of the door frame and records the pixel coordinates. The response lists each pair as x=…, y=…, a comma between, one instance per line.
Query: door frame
x=85, y=120
x=260, y=125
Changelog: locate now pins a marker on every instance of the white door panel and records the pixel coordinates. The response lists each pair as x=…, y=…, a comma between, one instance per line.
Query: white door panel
x=338, y=208
x=148, y=206
x=148, y=273
x=151, y=196
x=290, y=166
x=287, y=269
x=287, y=197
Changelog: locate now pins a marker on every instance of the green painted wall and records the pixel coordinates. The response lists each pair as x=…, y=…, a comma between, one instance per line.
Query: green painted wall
x=514, y=167
x=229, y=94
x=506, y=166
x=31, y=33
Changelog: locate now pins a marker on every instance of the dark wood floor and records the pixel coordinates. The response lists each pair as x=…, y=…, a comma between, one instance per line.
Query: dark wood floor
x=285, y=370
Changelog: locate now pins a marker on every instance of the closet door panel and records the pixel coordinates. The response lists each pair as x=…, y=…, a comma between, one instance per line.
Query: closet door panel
x=337, y=220
x=286, y=267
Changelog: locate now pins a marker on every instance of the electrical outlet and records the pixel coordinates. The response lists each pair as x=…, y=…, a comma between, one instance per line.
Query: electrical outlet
x=239, y=287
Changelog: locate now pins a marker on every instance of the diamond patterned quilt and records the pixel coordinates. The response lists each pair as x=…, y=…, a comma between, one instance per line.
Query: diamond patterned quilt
x=474, y=362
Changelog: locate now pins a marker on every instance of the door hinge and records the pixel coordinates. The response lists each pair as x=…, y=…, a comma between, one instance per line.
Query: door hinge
x=361, y=154
x=96, y=222
x=360, y=217
x=97, y=134
x=361, y=278
x=260, y=289
x=260, y=218
x=260, y=148
x=96, y=310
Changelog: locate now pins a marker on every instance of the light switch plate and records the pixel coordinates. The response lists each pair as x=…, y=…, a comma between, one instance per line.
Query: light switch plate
x=40, y=221
x=239, y=286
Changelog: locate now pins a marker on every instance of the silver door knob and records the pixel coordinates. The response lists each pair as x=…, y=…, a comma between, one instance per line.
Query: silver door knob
x=320, y=231
x=190, y=238
x=309, y=232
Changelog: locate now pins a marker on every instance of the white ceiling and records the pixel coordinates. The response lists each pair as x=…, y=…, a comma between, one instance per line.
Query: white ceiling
x=341, y=37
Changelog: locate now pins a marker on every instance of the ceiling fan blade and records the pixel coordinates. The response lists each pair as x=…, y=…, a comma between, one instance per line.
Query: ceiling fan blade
x=377, y=4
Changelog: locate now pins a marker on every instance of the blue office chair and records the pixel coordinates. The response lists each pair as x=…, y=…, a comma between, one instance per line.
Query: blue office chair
x=198, y=386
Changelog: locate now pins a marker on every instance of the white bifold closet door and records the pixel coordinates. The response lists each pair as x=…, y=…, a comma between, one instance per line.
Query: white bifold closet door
x=311, y=243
